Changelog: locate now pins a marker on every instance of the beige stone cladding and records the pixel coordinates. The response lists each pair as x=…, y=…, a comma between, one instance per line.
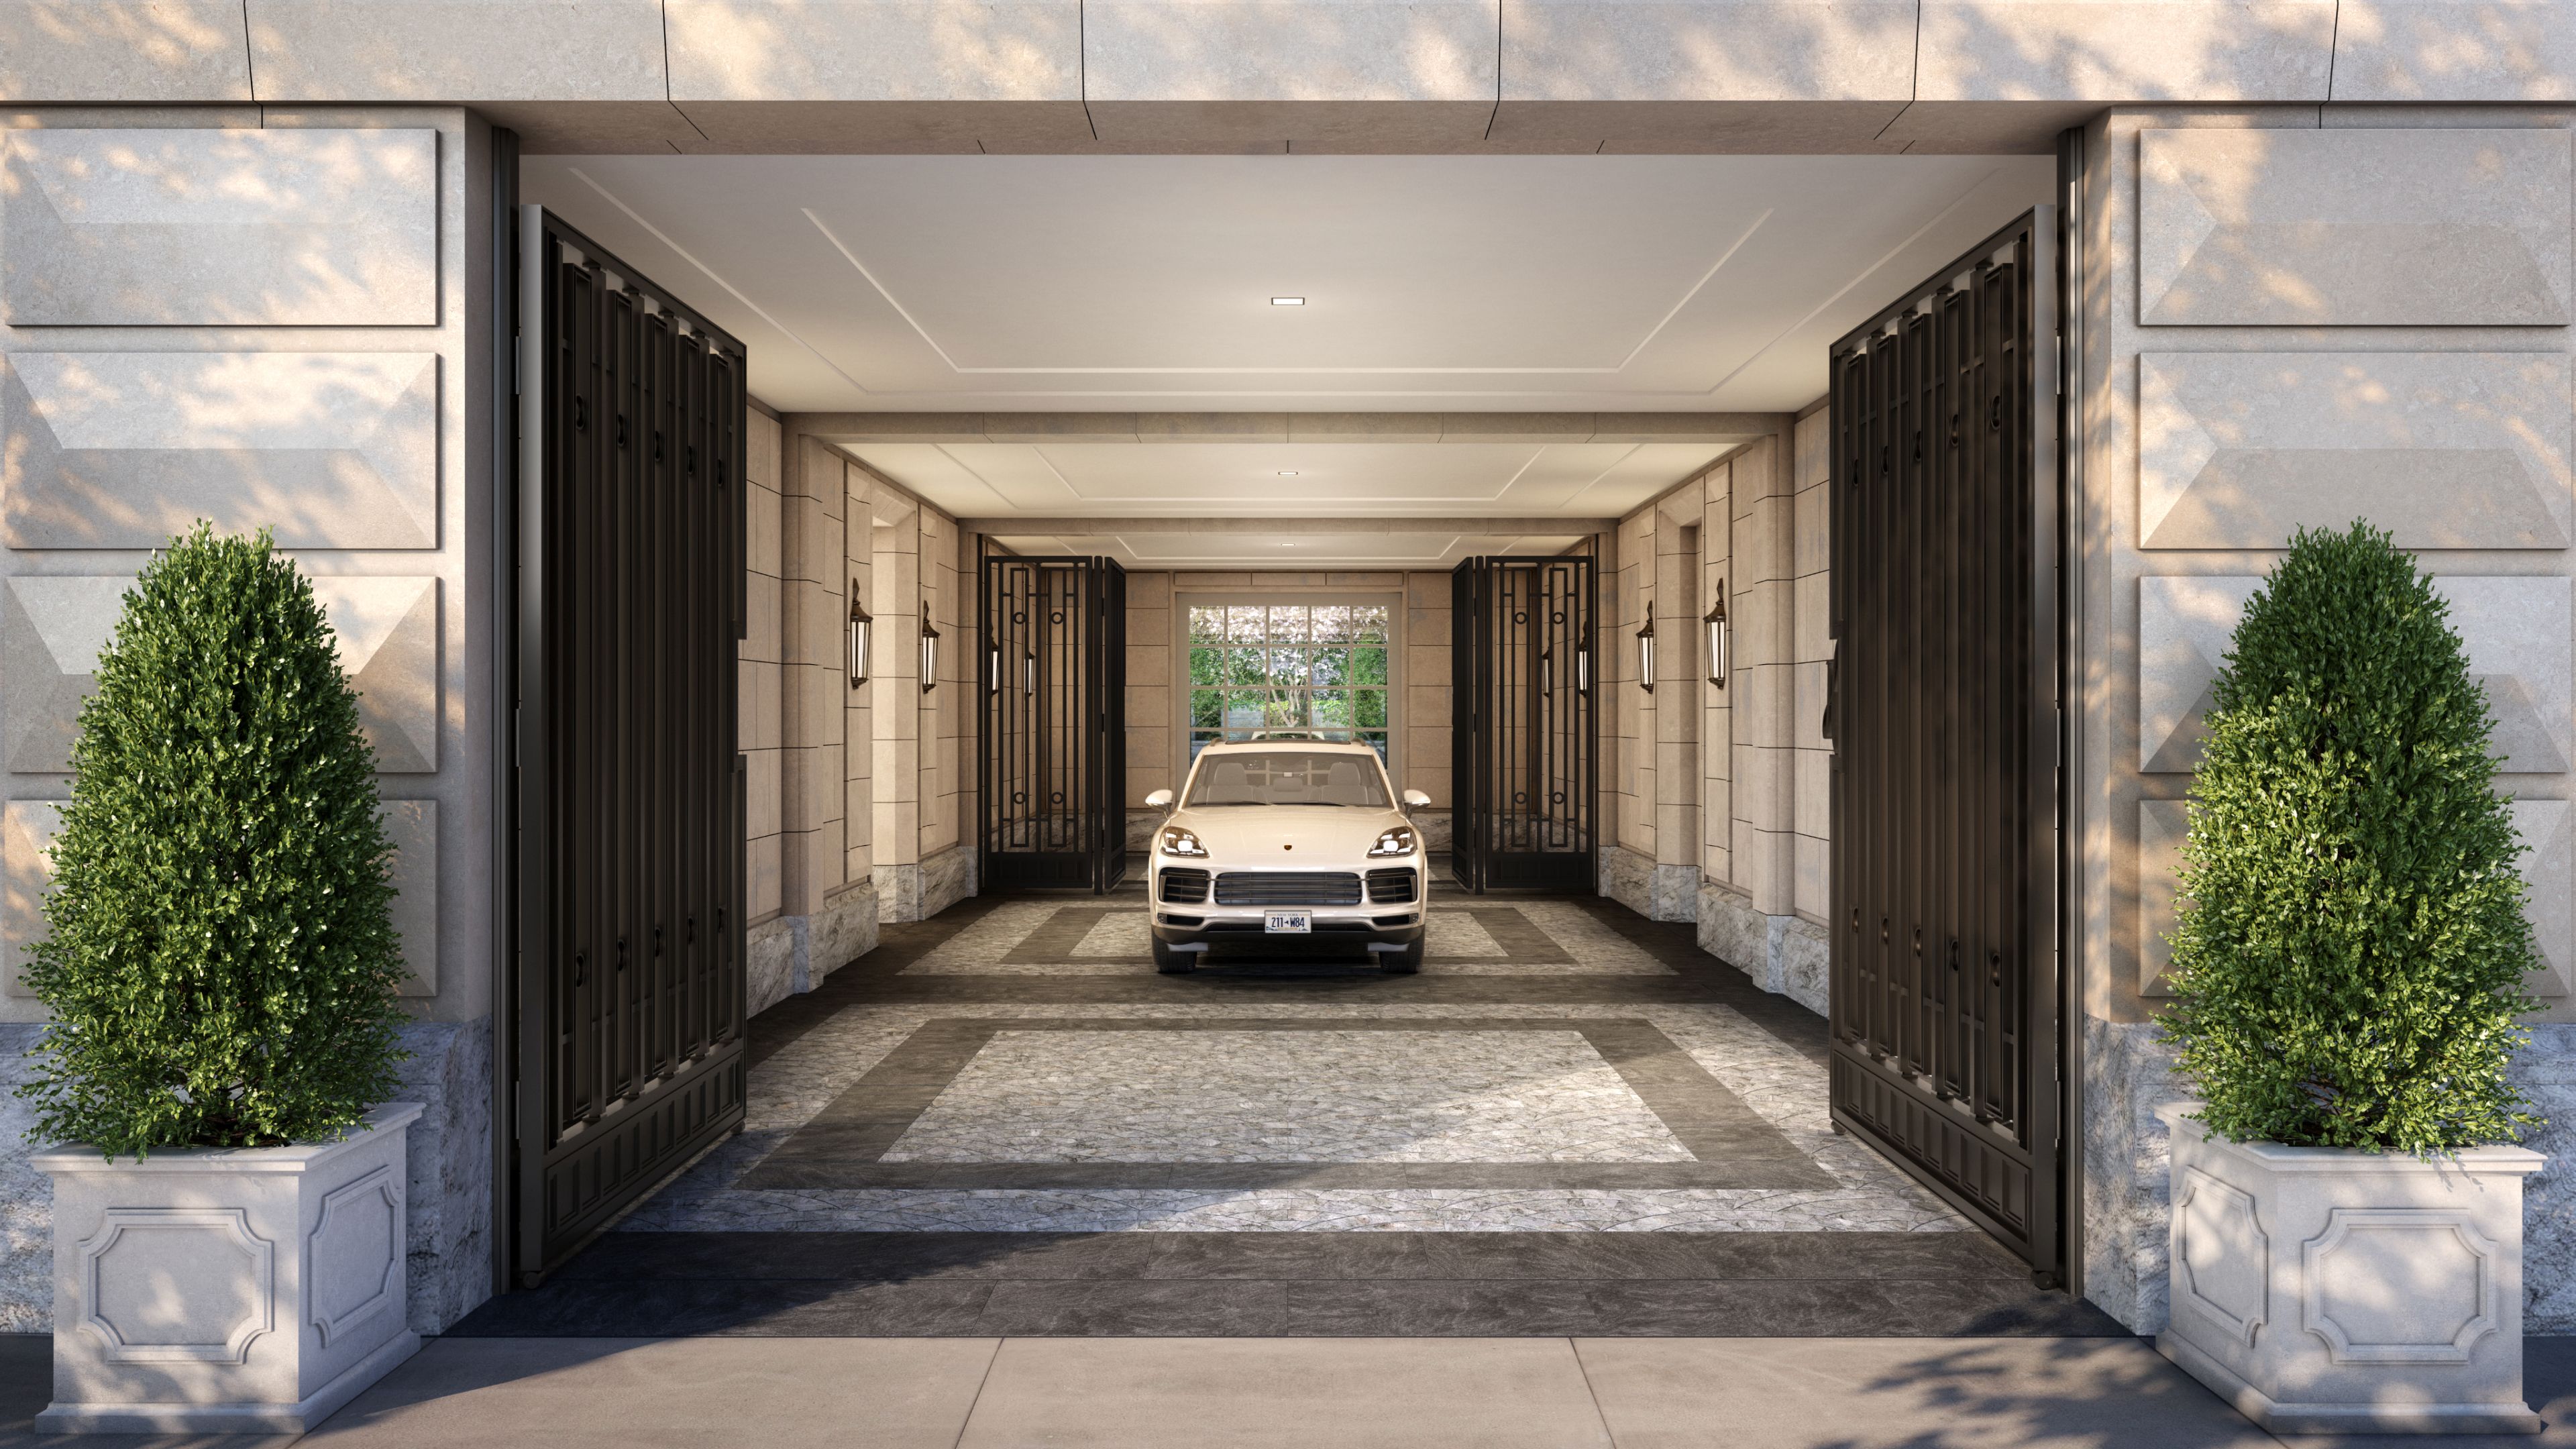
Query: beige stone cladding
x=917, y=749
x=2292, y=317
x=264, y=319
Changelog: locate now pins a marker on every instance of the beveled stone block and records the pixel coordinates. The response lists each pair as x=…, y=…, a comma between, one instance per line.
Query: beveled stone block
x=2353, y=228
x=53, y=627
x=2443, y=449
x=2518, y=632
x=2162, y=824
x=126, y=449
x=2548, y=866
x=412, y=826
x=179, y=228
x=122, y=50
x=27, y=830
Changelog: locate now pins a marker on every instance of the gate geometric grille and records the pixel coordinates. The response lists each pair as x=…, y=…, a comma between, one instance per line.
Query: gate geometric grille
x=1052, y=773
x=629, y=977
x=1522, y=734
x=1943, y=708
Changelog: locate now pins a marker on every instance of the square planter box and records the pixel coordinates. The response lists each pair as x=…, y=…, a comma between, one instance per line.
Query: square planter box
x=242, y=1291
x=2326, y=1291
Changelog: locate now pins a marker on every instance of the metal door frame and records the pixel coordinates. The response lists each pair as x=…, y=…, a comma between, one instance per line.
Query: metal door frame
x=1558, y=708
x=1085, y=697
x=562, y=1188
x=1903, y=1082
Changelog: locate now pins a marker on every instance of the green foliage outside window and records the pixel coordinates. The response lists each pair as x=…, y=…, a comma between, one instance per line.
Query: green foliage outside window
x=1255, y=666
x=2351, y=949
x=221, y=960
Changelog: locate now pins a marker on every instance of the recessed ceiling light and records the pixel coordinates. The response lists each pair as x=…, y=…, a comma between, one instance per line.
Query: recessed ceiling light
x=1287, y=301
x=1287, y=472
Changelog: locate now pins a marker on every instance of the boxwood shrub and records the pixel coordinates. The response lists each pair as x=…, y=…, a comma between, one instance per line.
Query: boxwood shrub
x=220, y=957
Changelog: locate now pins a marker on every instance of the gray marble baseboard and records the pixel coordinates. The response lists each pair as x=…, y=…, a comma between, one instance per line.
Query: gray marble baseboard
x=770, y=952
x=1788, y=955
x=840, y=933
x=449, y=1197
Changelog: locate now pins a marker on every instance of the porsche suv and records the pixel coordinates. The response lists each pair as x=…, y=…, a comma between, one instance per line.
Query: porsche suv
x=1278, y=841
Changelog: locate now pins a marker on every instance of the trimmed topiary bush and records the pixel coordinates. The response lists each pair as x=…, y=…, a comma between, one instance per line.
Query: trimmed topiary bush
x=221, y=959
x=2351, y=949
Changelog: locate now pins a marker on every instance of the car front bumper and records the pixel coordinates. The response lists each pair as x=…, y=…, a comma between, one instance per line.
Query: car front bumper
x=1373, y=925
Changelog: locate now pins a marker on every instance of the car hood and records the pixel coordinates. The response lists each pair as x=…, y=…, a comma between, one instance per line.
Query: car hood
x=1285, y=837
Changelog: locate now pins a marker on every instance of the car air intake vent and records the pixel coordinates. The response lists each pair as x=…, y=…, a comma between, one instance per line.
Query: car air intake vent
x=1185, y=887
x=1391, y=887
x=1287, y=888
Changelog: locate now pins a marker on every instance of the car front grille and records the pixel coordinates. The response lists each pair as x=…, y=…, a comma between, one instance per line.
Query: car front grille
x=1185, y=887
x=1287, y=888
x=1391, y=887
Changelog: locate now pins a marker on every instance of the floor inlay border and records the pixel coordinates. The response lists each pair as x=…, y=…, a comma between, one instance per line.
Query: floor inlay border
x=842, y=1146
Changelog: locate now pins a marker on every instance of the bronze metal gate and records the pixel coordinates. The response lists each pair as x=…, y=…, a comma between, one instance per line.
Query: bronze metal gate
x=1944, y=715
x=1052, y=771
x=1523, y=756
x=628, y=981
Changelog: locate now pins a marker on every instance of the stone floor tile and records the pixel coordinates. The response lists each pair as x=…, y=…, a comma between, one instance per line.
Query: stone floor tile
x=1249, y=1393
x=1874, y=1393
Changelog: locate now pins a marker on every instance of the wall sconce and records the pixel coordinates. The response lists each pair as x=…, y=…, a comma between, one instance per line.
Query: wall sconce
x=1717, y=638
x=929, y=651
x=1583, y=669
x=856, y=638
x=1646, y=655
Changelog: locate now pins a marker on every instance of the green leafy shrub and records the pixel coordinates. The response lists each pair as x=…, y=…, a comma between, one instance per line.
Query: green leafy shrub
x=221, y=959
x=2351, y=949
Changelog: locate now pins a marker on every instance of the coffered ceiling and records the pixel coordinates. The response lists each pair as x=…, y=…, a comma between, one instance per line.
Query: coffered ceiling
x=1430, y=283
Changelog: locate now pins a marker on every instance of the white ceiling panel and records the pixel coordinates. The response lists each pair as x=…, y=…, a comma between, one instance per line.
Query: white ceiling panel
x=1253, y=480
x=1572, y=283
x=1231, y=549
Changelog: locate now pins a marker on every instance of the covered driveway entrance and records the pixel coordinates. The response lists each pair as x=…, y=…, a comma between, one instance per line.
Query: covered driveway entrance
x=1607, y=1104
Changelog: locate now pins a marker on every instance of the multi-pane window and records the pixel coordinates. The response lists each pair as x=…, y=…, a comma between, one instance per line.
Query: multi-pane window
x=1288, y=666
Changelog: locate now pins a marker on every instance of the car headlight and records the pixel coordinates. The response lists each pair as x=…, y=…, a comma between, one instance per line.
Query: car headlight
x=1177, y=841
x=1398, y=841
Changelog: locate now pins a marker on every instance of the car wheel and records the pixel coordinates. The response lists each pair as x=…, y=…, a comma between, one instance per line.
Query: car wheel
x=1401, y=963
x=1174, y=963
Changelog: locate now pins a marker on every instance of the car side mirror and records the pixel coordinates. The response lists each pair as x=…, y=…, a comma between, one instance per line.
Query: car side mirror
x=1416, y=800
x=1159, y=800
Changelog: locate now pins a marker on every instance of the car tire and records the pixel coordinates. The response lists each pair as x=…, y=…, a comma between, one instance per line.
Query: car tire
x=1406, y=962
x=1174, y=963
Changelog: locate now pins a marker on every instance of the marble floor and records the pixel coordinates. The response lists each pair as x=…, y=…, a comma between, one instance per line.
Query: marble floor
x=1003, y=1121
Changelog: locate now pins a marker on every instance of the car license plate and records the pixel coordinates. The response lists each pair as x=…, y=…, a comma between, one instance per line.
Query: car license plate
x=1292, y=923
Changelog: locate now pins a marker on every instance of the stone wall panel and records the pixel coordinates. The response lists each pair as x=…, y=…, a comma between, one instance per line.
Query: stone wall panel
x=2444, y=449
x=126, y=449
x=172, y=228
x=2353, y=228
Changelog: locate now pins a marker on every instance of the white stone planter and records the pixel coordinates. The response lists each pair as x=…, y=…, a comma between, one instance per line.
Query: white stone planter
x=2326, y=1291
x=228, y=1291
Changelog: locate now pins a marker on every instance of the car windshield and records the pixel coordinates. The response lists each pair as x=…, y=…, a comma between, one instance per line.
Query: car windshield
x=1287, y=777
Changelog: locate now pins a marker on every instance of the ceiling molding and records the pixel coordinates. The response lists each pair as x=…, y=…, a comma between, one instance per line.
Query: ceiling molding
x=1106, y=527
x=993, y=427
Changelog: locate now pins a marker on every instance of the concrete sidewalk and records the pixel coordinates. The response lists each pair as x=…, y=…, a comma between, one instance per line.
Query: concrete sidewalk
x=1201, y=1393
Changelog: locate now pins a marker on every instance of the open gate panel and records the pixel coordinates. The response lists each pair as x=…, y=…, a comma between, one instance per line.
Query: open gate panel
x=1523, y=736
x=1945, y=1006
x=1052, y=767
x=629, y=973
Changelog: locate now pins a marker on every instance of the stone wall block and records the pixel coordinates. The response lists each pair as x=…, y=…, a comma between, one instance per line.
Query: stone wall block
x=2517, y=630
x=2548, y=867
x=2162, y=824
x=2352, y=228
x=123, y=50
x=1660, y=51
x=175, y=228
x=749, y=70
x=412, y=826
x=457, y=50
x=2455, y=50
x=1213, y=72
x=27, y=830
x=125, y=449
x=2444, y=449
x=2086, y=50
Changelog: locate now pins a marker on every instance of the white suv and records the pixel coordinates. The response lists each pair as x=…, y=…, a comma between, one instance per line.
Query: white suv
x=1280, y=840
